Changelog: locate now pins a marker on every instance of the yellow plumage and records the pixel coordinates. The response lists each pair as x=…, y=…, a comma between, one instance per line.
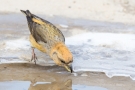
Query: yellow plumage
x=36, y=45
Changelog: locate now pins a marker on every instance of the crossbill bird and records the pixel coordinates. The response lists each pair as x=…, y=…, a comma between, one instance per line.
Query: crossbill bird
x=48, y=39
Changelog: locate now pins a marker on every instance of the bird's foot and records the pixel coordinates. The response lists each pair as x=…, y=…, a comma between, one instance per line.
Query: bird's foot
x=34, y=57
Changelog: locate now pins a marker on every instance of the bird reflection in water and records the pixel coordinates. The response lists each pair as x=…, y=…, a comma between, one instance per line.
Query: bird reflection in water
x=63, y=85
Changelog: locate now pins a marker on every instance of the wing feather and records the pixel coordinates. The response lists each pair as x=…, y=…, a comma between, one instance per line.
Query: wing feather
x=41, y=32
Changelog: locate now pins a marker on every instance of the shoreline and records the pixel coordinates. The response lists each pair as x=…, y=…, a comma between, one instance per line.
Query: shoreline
x=30, y=72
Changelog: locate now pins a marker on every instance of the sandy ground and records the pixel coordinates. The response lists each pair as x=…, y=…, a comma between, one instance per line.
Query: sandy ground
x=80, y=16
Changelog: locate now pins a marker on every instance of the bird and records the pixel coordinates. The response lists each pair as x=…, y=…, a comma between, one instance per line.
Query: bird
x=47, y=38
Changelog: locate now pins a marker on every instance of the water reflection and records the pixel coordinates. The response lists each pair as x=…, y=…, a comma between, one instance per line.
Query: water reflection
x=66, y=85
x=14, y=85
x=84, y=87
x=63, y=85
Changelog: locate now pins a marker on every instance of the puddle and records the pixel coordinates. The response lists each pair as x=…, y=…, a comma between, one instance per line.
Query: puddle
x=15, y=85
x=84, y=87
x=27, y=85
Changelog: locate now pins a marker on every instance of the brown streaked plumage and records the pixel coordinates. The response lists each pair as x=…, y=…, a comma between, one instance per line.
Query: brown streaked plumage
x=48, y=39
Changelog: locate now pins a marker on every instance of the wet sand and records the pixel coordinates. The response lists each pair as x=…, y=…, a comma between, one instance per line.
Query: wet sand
x=37, y=73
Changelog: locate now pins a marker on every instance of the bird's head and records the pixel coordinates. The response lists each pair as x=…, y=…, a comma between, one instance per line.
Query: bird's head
x=62, y=56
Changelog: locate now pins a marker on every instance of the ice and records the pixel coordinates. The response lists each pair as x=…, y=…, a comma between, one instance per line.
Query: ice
x=12, y=60
x=117, y=41
x=17, y=44
x=64, y=26
x=111, y=53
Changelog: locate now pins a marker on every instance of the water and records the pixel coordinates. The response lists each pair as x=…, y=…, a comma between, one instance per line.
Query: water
x=26, y=85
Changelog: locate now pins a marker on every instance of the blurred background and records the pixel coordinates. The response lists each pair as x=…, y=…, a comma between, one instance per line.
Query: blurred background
x=81, y=15
x=104, y=10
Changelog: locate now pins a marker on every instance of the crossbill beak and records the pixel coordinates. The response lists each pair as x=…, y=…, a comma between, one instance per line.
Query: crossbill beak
x=68, y=68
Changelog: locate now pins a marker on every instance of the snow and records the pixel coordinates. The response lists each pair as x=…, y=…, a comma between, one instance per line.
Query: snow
x=111, y=53
x=117, y=41
x=17, y=44
x=64, y=26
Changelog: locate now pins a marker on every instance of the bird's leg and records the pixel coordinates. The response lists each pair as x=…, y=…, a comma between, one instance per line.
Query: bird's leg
x=34, y=57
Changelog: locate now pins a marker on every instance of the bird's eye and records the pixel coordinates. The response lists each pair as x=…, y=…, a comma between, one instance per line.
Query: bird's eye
x=62, y=61
x=54, y=53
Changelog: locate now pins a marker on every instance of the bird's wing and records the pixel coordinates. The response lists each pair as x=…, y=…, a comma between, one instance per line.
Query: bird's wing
x=38, y=28
x=44, y=25
x=38, y=33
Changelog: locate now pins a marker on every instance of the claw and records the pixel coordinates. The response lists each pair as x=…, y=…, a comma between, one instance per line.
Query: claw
x=34, y=57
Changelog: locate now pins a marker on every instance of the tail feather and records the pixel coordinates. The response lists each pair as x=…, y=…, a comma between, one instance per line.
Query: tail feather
x=29, y=17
